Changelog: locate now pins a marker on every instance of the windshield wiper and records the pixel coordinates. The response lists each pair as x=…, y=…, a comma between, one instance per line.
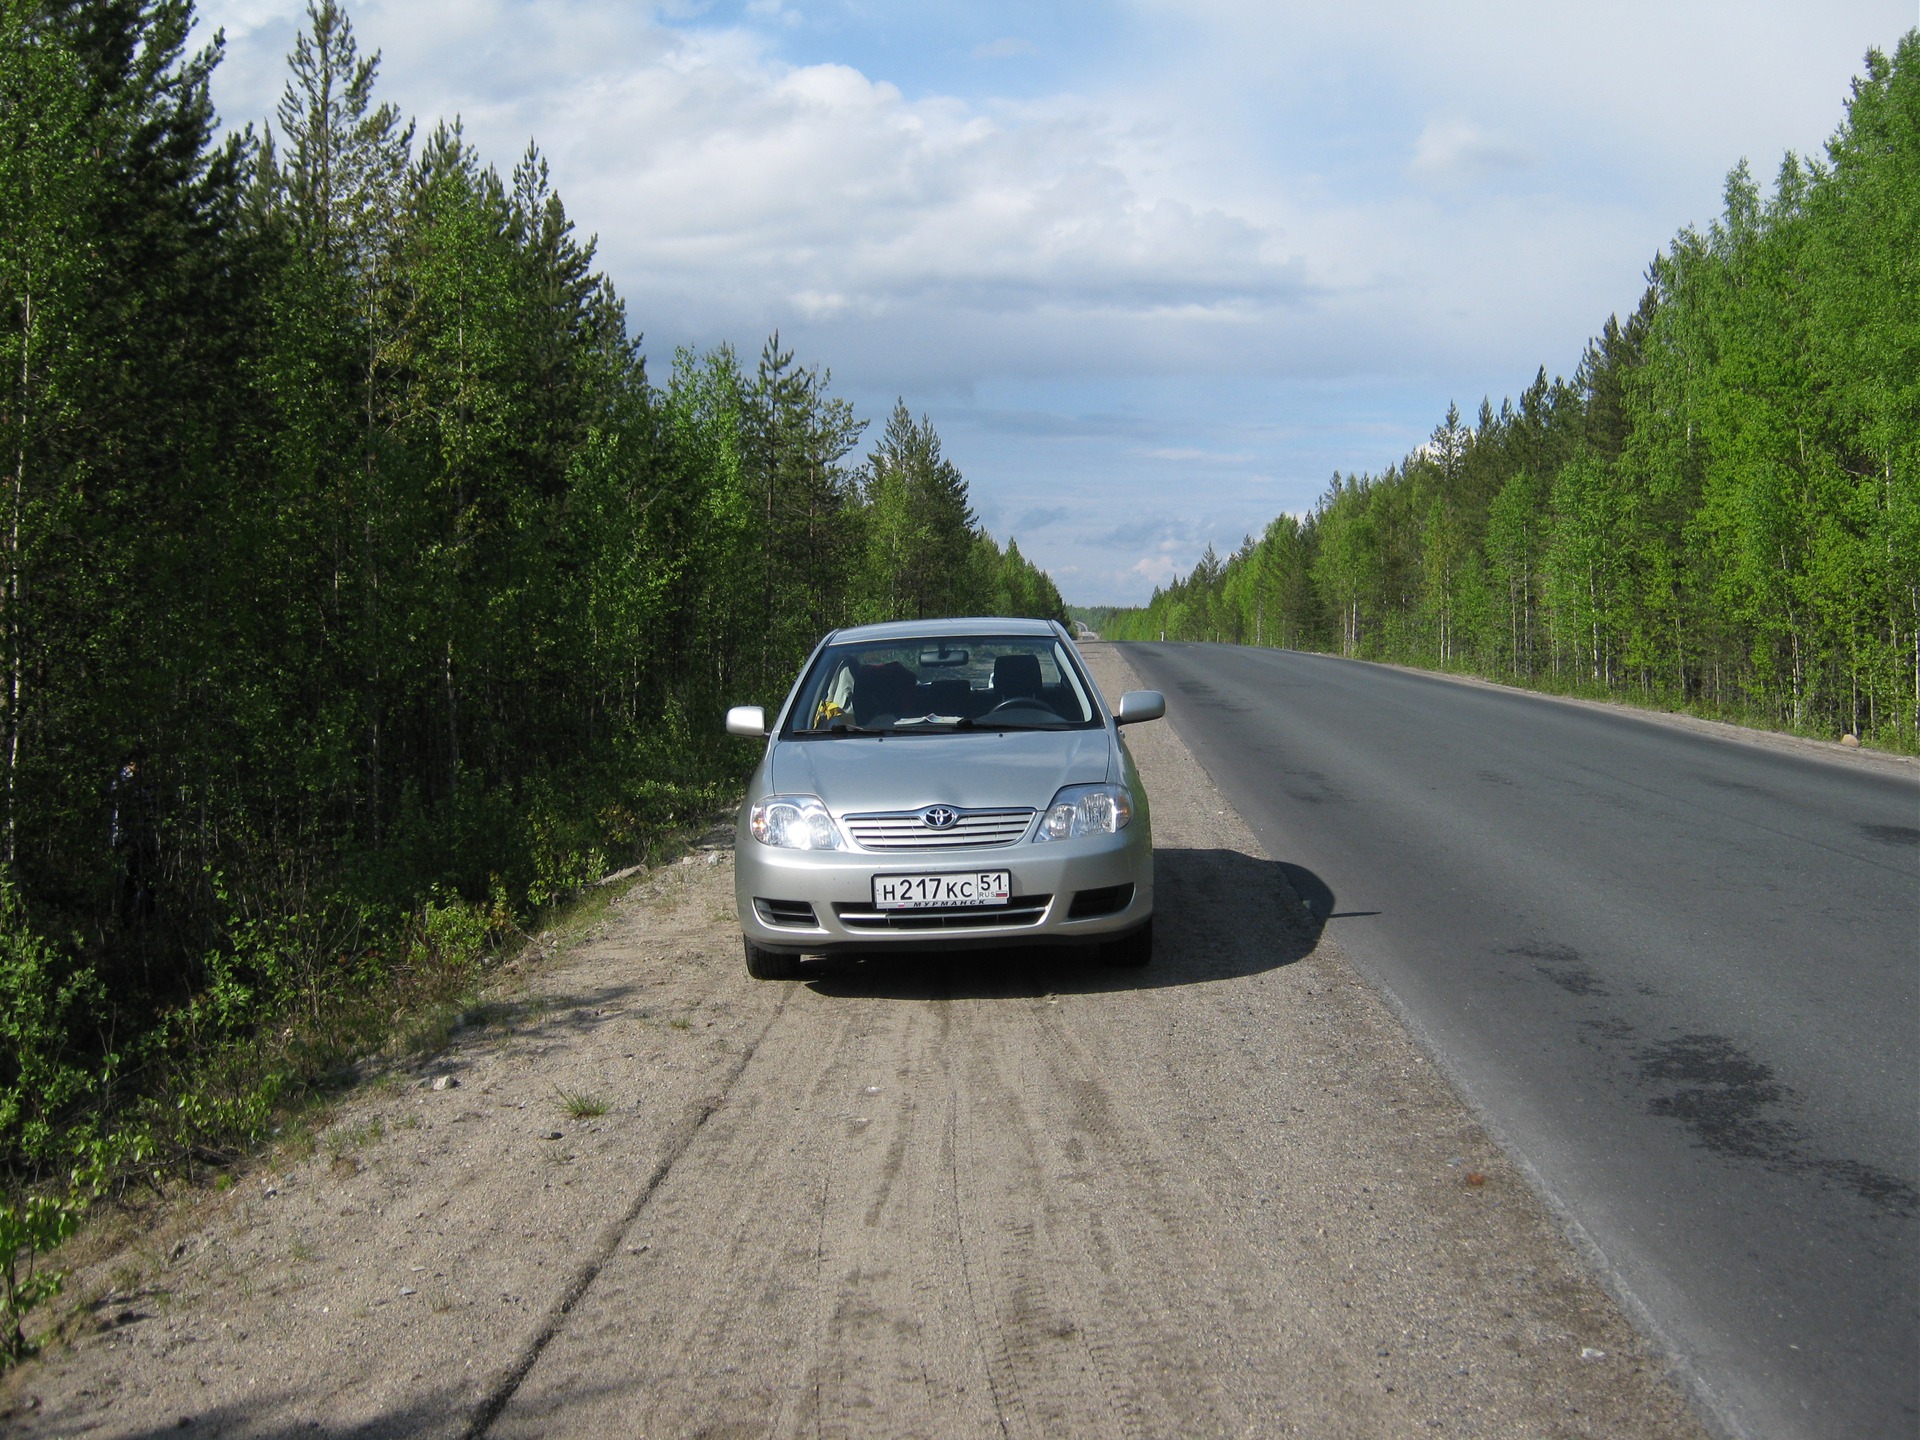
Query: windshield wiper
x=847, y=727
x=929, y=724
x=987, y=723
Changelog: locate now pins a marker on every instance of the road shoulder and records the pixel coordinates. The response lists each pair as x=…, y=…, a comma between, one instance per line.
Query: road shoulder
x=1805, y=746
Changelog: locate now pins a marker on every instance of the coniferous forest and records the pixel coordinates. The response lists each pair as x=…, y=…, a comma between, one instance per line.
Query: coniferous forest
x=1720, y=511
x=364, y=588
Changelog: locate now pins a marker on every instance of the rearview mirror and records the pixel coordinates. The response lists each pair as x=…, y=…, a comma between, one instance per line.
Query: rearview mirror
x=1138, y=705
x=748, y=720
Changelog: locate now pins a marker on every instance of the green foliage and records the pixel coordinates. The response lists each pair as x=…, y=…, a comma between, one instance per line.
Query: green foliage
x=47, y=1001
x=1720, y=511
x=581, y=1105
x=28, y=1231
x=919, y=527
x=452, y=935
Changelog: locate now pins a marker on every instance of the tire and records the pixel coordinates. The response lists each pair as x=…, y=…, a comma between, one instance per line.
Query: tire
x=764, y=964
x=1131, y=951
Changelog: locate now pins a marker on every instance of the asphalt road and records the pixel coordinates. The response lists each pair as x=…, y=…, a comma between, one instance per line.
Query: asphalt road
x=1679, y=976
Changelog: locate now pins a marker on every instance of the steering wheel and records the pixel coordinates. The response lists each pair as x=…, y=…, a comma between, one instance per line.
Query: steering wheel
x=1020, y=702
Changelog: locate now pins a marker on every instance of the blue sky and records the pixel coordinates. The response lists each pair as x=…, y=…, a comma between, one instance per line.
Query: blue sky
x=1155, y=269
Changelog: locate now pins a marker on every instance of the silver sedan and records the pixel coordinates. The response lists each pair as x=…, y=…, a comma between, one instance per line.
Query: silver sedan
x=944, y=783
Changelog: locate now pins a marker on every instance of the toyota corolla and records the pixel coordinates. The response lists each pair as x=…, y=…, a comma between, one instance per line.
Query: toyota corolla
x=944, y=784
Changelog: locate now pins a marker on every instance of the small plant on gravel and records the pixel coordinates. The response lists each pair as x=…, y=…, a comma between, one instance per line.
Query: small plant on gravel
x=680, y=1022
x=343, y=1139
x=427, y=1033
x=582, y=1106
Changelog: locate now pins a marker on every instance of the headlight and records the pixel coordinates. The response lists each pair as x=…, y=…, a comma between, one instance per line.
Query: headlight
x=1086, y=810
x=793, y=822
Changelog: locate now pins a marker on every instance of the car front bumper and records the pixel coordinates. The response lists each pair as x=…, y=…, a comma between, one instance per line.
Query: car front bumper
x=1064, y=892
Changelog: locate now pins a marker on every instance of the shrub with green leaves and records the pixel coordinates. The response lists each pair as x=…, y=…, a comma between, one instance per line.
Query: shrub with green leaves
x=29, y=1231
x=46, y=998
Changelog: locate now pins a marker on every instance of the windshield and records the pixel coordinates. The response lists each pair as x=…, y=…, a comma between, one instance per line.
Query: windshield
x=942, y=684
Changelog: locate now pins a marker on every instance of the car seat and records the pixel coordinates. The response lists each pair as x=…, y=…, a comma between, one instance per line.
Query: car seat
x=1016, y=677
x=948, y=696
x=882, y=691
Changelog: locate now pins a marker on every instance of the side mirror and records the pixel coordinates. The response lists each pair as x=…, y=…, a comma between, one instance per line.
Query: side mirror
x=1138, y=705
x=748, y=720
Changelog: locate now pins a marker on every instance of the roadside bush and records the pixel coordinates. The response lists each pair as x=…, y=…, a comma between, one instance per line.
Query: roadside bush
x=47, y=999
x=29, y=1231
x=450, y=936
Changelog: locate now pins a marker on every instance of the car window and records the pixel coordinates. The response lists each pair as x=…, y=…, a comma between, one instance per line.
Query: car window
x=941, y=684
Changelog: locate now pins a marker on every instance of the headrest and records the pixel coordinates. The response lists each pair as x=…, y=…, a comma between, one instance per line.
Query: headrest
x=1015, y=675
x=881, y=690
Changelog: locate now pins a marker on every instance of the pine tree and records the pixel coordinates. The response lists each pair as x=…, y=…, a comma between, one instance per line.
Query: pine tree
x=920, y=524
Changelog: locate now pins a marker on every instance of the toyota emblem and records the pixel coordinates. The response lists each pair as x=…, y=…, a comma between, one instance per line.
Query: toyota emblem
x=940, y=817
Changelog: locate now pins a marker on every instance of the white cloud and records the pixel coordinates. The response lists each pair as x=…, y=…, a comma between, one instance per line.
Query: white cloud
x=1453, y=153
x=937, y=240
x=1156, y=570
x=1186, y=454
x=1677, y=81
x=730, y=189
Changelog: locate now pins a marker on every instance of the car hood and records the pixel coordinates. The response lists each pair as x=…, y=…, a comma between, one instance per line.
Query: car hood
x=859, y=774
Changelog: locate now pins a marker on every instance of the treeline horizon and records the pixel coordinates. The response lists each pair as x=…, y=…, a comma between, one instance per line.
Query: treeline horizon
x=363, y=590
x=1720, y=511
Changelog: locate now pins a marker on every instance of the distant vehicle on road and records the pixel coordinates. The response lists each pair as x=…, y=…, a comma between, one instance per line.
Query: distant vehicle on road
x=944, y=784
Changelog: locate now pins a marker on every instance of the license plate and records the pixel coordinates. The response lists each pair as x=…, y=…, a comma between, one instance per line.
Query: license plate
x=924, y=892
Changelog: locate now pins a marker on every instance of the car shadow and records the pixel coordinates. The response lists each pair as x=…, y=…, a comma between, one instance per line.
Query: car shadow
x=1218, y=915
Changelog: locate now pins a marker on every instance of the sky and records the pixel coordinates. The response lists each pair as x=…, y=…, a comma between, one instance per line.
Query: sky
x=1154, y=268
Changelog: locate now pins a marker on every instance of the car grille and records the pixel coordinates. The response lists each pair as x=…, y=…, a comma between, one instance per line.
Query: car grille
x=906, y=830
x=1021, y=910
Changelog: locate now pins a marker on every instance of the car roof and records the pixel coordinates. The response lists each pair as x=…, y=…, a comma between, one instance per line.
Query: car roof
x=937, y=629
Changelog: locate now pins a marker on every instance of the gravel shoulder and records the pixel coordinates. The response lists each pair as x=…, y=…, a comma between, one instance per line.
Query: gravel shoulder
x=1834, y=752
x=1007, y=1194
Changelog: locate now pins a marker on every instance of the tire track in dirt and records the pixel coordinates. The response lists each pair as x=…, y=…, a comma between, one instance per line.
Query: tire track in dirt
x=797, y=1301
x=673, y=1145
x=1098, y=1341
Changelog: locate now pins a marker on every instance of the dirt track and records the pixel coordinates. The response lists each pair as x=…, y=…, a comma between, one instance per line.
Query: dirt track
x=999, y=1195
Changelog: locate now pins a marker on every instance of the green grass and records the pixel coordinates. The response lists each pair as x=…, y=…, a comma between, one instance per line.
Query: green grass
x=345, y=1139
x=581, y=1105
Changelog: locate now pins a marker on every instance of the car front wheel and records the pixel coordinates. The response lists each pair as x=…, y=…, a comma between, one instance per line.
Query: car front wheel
x=1131, y=950
x=765, y=964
